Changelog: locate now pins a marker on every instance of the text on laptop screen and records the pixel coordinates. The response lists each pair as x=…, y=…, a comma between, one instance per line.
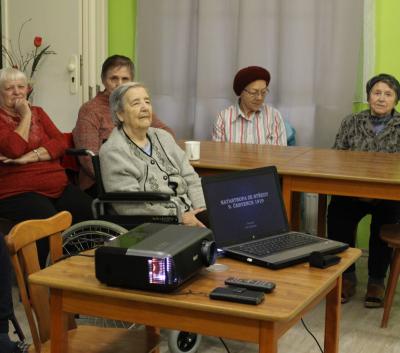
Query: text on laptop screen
x=248, y=205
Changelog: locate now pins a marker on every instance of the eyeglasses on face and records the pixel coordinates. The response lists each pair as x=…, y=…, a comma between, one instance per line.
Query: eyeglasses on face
x=256, y=93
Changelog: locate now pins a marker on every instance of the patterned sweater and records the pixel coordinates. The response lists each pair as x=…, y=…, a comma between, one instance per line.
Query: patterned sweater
x=356, y=133
x=126, y=167
x=93, y=126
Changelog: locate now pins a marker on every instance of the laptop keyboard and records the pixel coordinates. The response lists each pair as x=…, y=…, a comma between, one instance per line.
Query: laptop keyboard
x=268, y=246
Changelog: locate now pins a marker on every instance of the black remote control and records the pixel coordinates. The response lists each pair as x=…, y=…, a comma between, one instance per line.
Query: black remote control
x=237, y=294
x=253, y=284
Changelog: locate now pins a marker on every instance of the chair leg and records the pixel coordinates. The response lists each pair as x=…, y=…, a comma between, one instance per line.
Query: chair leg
x=391, y=286
x=17, y=327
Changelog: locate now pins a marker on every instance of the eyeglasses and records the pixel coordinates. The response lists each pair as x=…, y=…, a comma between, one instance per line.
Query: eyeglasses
x=256, y=93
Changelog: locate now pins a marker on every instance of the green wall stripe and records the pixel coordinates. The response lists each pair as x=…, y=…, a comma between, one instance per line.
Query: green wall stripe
x=122, y=27
x=387, y=37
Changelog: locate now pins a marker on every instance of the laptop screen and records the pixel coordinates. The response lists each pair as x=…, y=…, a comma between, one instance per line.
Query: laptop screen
x=244, y=205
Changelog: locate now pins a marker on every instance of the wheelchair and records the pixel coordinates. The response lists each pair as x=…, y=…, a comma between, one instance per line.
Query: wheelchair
x=107, y=225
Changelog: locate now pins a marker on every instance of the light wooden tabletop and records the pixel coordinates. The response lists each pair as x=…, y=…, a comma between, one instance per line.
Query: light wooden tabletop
x=301, y=161
x=236, y=156
x=296, y=286
x=346, y=165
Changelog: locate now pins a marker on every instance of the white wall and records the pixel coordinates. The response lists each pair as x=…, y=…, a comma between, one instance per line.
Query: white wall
x=59, y=25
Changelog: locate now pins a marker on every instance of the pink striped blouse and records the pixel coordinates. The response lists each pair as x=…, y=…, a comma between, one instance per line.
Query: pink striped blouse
x=264, y=126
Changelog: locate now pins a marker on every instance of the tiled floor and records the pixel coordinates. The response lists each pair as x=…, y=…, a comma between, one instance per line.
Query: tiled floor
x=360, y=329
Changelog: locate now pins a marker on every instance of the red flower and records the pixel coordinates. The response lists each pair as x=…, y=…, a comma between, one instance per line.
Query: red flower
x=37, y=41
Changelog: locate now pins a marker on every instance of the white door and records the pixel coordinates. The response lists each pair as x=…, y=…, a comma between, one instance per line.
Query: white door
x=62, y=81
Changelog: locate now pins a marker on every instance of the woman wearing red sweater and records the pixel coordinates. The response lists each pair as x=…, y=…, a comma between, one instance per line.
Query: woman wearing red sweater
x=33, y=184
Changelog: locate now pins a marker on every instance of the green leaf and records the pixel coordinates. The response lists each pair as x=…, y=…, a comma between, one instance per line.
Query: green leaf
x=37, y=58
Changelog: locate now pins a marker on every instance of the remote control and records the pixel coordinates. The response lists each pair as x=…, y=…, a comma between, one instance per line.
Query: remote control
x=253, y=284
x=237, y=294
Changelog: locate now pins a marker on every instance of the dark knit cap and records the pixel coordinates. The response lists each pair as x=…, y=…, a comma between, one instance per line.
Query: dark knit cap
x=390, y=80
x=248, y=75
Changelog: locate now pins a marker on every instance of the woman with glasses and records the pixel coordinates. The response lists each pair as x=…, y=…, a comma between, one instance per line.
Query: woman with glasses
x=250, y=120
x=376, y=129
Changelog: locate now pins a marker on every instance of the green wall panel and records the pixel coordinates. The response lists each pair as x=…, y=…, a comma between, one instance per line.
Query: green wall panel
x=122, y=27
x=387, y=37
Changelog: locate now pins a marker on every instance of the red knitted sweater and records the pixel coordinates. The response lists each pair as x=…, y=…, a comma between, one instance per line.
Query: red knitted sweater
x=48, y=177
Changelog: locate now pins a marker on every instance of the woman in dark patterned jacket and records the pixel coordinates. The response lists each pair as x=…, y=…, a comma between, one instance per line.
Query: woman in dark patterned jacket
x=376, y=130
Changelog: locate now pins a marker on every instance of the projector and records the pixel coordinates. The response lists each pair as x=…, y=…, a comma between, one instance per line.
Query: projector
x=156, y=257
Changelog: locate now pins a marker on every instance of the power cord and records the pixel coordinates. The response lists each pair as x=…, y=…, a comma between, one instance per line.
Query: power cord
x=226, y=347
x=305, y=326
x=312, y=335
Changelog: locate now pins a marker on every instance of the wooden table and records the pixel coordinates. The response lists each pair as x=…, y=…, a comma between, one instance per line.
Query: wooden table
x=74, y=289
x=307, y=169
x=219, y=157
x=347, y=173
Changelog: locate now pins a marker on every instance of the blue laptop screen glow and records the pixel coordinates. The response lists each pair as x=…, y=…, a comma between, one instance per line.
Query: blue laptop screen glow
x=244, y=205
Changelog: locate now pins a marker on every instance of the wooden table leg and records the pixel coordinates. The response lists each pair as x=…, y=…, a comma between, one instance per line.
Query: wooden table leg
x=321, y=227
x=296, y=211
x=292, y=203
x=287, y=195
x=153, y=330
x=332, y=318
x=268, y=340
x=59, y=323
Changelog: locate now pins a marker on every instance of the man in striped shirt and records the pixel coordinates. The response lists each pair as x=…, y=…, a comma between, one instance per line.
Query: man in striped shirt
x=250, y=120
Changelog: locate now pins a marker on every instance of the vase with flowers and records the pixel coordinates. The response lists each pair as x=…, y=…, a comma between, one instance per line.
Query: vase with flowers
x=27, y=62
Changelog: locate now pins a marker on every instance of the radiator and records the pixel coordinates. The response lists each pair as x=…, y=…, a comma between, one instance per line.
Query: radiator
x=310, y=213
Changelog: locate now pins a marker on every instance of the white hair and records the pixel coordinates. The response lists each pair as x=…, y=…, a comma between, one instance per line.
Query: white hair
x=116, y=99
x=11, y=74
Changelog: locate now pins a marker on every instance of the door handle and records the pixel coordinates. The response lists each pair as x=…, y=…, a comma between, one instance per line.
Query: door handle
x=72, y=68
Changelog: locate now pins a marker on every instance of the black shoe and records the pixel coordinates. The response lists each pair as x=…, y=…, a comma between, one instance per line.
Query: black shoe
x=6, y=345
x=375, y=295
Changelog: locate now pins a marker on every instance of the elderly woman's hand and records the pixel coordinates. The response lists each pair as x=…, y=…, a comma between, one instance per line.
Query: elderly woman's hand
x=37, y=155
x=22, y=107
x=25, y=159
x=189, y=218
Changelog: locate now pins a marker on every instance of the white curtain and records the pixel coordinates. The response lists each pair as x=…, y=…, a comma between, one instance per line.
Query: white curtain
x=188, y=52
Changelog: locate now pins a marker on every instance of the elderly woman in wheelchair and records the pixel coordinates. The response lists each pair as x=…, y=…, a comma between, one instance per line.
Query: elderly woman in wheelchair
x=137, y=157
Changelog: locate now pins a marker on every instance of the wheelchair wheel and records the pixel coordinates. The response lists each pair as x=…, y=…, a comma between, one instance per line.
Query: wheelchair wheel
x=183, y=342
x=89, y=235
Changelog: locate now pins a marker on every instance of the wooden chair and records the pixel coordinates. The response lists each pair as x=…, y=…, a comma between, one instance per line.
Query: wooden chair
x=21, y=242
x=390, y=233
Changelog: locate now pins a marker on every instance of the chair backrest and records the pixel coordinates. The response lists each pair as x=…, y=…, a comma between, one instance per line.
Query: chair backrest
x=290, y=134
x=21, y=243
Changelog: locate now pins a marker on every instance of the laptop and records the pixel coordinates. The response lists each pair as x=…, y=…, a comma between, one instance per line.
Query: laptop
x=248, y=218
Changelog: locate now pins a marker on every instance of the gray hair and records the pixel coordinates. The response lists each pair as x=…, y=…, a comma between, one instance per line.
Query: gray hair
x=11, y=74
x=117, y=97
